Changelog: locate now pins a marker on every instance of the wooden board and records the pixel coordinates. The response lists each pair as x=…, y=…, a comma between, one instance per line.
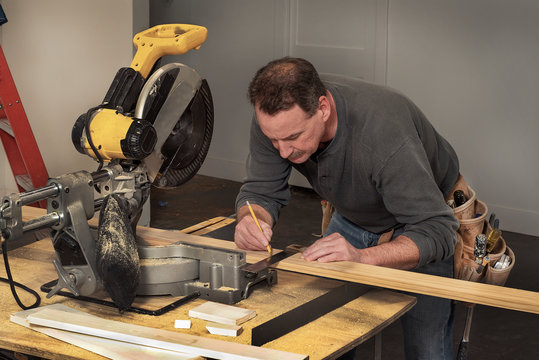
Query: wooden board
x=112, y=349
x=162, y=339
x=478, y=293
x=466, y=291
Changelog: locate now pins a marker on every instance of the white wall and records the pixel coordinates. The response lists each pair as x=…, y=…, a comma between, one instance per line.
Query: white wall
x=470, y=65
x=63, y=55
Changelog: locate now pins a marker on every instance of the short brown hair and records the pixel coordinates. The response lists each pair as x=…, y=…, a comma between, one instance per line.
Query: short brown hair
x=285, y=82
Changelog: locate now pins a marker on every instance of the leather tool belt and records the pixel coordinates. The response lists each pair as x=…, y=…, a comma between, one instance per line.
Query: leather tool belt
x=472, y=218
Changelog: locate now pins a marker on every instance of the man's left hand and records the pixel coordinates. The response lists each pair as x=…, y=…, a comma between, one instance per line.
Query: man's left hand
x=333, y=247
x=400, y=253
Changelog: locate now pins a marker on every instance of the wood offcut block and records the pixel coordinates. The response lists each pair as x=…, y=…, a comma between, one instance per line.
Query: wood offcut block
x=223, y=329
x=222, y=313
x=182, y=324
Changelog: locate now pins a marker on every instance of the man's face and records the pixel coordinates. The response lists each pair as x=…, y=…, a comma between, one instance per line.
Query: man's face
x=294, y=133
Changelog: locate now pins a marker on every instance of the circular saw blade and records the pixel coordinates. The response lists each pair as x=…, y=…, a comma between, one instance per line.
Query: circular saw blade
x=179, y=104
x=187, y=146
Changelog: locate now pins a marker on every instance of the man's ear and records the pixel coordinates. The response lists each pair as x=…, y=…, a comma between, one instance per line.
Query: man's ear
x=325, y=107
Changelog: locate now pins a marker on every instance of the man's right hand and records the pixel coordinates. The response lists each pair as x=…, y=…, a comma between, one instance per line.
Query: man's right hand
x=247, y=235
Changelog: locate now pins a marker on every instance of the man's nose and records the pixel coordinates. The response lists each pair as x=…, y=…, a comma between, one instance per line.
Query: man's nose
x=285, y=150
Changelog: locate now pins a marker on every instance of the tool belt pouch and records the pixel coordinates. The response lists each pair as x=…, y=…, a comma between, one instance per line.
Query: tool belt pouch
x=474, y=225
x=493, y=275
x=465, y=267
x=472, y=218
x=499, y=276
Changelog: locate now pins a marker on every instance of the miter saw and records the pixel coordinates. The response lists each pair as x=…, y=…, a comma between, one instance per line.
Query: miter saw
x=153, y=128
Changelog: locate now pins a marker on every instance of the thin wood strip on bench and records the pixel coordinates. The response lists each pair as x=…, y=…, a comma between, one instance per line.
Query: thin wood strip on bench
x=478, y=293
x=162, y=339
x=213, y=227
x=201, y=225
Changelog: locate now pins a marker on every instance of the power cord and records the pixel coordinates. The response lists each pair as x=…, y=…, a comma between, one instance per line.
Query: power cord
x=9, y=280
x=89, y=135
x=13, y=284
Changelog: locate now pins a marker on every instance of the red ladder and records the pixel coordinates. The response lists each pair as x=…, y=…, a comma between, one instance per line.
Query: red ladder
x=17, y=136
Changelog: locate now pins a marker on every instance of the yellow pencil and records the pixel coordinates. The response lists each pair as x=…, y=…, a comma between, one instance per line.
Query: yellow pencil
x=258, y=224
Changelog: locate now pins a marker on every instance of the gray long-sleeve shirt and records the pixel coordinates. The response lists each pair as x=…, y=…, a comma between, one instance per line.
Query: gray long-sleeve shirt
x=386, y=167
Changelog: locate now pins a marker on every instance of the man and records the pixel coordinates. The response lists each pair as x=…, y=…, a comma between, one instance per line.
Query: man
x=370, y=152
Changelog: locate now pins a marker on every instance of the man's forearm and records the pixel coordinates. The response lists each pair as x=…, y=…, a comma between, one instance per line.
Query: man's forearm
x=400, y=253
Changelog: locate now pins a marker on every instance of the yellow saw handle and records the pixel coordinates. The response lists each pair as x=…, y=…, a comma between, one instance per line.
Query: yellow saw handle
x=160, y=40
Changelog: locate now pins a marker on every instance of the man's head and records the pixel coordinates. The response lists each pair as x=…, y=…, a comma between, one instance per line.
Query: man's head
x=286, y=82
x=292, y=107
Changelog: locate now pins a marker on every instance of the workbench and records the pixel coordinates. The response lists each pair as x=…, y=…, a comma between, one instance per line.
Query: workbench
x=327, y=337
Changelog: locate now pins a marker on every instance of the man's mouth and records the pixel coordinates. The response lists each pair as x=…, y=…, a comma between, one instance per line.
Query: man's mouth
x=296, y=155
